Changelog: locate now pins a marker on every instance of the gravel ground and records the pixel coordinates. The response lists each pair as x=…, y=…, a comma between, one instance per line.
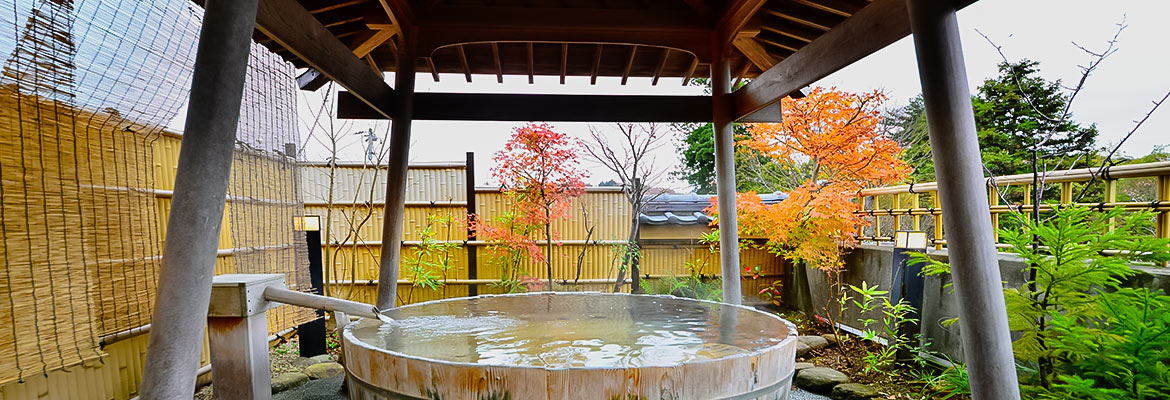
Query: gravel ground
x=798, y=394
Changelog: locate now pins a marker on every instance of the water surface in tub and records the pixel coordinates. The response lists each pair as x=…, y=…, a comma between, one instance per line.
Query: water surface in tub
x=572, y=330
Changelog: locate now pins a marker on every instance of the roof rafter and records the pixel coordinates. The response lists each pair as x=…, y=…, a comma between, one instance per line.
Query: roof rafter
x=596, y=65
x=629, y=64
x=290, y=25
x=449, y=25
x=463, y=60
x=661, y=67
x=496, y=58
x=874, y=27
x=564, y=61
x=735, y=18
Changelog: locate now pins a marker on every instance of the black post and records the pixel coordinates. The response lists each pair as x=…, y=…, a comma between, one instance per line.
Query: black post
x=472, y=265
x=907, y=284
x=312, y=333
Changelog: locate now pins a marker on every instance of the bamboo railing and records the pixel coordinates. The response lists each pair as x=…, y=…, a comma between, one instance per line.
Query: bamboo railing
x=889, y=206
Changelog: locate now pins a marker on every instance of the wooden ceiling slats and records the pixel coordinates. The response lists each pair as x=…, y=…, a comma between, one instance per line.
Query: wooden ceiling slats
x=320, y=6
x=804, y=15
x=843, y=8
x=780, y=41
x=594, y=38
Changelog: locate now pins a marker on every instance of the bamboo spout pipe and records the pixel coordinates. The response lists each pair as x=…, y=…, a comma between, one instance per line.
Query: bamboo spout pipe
x=308, y=300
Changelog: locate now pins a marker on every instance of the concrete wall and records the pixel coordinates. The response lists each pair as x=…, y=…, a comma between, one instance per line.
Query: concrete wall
x=810, y=291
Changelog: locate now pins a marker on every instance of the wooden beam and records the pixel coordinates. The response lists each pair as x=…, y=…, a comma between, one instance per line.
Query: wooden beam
x=806, y=16
x=290, y=25
x=874, y=27
x=541, y=107
x=434, y=71
x=782, y=42
x=738, y=14
x=791, y=29
x=531, y=64
x=680, y=29
x=840, y=7
x=366, y=44
x=661, y=66
x=496, y=58
x=362, y=45
x=743, y=69
x=596, y=65
x=754, y=52
x=320, y=6
x=629, y=64
x=373, y=64
x=691, y=71
x=700, y=7
x=564, y=61
x=399, y=13
x=463, y=60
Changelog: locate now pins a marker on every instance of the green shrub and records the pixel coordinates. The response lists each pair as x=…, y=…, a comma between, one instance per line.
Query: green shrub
x=1081, y=335
x=692, y=286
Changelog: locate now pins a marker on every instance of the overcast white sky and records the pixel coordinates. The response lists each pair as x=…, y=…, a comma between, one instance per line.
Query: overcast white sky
x=1120, y=91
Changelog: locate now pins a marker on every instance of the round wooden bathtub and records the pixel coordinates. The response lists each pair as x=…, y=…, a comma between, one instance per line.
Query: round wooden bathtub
x=571, y=346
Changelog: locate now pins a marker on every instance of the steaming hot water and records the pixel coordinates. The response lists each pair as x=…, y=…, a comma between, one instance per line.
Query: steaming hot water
x=571, y=331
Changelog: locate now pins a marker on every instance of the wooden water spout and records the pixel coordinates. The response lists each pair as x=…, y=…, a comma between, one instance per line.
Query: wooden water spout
x=237, y=328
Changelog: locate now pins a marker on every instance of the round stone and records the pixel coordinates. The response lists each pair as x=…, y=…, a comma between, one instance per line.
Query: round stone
x=288, y=380
x=853, y=391
x=324, y=370
x=814, y=342
x=819, y=379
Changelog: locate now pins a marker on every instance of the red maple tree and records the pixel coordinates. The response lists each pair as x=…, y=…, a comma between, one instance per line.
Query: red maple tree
x=540, y=171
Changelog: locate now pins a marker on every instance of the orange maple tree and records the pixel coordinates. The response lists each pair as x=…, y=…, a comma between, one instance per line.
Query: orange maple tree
x=838, y=133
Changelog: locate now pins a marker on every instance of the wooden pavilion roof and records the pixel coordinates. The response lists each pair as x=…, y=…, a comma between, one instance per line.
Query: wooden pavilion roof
x=596, y=38
x=782, y=45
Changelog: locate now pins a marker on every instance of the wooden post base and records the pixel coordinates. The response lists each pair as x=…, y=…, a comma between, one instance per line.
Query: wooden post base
x=237, y=329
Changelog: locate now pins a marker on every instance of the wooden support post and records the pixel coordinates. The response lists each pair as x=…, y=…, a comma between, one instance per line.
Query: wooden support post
x=861, y=206
x=725, y=179
x=184, y=281
x=237, y=331
x=1028, y=195
x=396, y=174
x=472, y=263
x=897, y=216
x=1163, y=228
x=1111, y=197
x=936, y=204
x=1066, y=194
x=987, y=340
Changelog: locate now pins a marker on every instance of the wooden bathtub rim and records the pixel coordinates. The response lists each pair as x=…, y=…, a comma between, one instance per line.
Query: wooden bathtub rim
x=786, y=345
x=783, y=383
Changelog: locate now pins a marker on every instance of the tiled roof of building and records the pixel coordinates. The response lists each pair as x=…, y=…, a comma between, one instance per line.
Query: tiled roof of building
x=687, y=209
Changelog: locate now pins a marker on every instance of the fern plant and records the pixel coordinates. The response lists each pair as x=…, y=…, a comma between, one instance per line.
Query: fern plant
x=1078, y=329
